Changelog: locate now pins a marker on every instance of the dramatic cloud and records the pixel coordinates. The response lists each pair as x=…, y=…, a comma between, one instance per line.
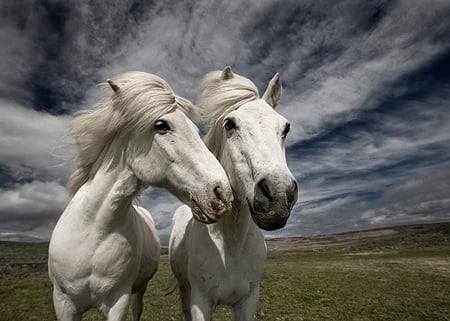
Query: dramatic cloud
x=366, y=60
x=29, y=142
x=366, y=89
x=32, y=200
x=31, y=207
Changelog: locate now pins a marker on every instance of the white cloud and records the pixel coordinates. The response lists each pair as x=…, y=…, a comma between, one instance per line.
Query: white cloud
x=338, y=100
x=32, y=201
x=354, y=161
x=29, y=141
x=29, y=211
x=337, y=90
x=183, y=42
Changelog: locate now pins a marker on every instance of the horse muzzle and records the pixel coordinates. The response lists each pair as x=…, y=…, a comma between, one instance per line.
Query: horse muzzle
x=209, y=210
x=272, y=204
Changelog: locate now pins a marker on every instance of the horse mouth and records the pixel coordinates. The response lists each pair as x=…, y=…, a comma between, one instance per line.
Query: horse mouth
x=201, y=215
x=261, y=222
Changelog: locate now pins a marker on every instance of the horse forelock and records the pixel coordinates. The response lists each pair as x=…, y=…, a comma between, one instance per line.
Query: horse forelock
x=140, y=100
x=218, y=98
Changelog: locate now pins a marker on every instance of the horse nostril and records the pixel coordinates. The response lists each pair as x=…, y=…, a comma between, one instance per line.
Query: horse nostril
x=220, y=204
x=218, y=191
x=294, y=187
x=264, y=186
x=292, y=192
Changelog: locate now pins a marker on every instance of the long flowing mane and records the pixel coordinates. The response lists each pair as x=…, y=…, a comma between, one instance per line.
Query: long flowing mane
x=219, y=97
x=139, y=100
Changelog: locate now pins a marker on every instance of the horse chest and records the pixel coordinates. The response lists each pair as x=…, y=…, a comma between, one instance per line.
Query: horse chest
x=92, y=262
x=235, y=280
x=114, y=256
x=232, y=289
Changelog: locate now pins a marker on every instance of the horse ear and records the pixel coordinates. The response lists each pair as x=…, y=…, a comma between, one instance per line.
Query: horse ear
x=227, y=73
x=273, y=92
x=113, y=85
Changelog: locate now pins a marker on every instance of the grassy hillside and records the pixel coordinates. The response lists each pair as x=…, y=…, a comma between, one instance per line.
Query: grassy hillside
x=398, y=237
x=410, y=284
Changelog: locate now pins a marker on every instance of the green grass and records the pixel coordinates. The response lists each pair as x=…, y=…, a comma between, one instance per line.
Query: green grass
x=406, y=285
x=23, y=252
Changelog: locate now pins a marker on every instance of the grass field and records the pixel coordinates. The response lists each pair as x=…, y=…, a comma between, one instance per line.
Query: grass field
x=23, y=252
x=401, y=285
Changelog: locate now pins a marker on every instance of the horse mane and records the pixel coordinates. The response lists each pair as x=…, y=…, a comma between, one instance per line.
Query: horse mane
x=138, y=99
x=219, y=97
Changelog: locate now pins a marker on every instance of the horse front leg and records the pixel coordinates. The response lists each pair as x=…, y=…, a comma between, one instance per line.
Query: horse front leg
x=185, y=297
x=245, y=309
x=138, y=303
x=65, y=308
x=201, y=306
x=116, y=308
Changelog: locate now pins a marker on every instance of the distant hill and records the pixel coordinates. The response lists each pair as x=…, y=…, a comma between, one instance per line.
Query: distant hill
x=409, y=236
x=412, y=236
x=20, y=237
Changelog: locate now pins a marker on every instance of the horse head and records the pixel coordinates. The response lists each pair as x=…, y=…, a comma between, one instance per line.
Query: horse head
x=148, y=129
x=249, y=140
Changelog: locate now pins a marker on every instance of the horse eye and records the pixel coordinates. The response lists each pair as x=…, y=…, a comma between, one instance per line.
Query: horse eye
x=286, y=130
x=229, y=124
x=162, y=127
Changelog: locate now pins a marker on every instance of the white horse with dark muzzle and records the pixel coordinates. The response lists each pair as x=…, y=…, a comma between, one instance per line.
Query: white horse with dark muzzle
x=222, y=263
x=103, y=249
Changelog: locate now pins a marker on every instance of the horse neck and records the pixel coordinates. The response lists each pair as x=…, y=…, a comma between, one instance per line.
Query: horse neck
x=107, y=197
x=233, y=229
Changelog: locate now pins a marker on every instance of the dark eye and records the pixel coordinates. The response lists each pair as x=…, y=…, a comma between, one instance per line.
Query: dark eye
x=286, y=130
x=229, y=124
x=162, y=127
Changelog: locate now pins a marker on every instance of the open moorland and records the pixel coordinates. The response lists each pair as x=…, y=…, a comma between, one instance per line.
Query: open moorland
x=400, y=273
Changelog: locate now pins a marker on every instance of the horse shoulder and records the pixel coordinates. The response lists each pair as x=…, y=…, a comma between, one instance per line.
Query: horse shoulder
x=148, y=236
x=180, y=223
x=147, y=251
x=145, y=217
x=178, y=244
x=72, y=244
x=181, y=219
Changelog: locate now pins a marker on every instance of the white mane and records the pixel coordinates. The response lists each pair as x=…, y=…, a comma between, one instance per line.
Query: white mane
x=139, y=100
x=218, y=98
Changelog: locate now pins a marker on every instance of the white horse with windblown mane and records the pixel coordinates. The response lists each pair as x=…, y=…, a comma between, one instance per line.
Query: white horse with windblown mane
x=222, y=263
x=103, y=249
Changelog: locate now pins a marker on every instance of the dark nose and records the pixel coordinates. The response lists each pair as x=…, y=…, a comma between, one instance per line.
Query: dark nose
x=266, y=190
x=273, y=201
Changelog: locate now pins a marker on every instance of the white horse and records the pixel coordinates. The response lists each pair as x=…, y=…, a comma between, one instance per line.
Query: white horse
x=104, y=249
x=222, y=263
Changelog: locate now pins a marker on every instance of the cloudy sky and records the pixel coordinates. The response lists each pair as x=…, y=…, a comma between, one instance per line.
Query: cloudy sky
x=366, y=89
